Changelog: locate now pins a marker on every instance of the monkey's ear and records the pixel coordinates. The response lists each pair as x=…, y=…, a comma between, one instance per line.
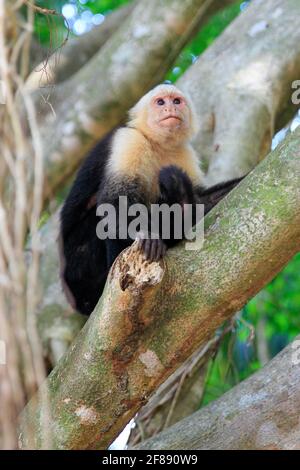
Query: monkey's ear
x=133, y=113
x=137, y=112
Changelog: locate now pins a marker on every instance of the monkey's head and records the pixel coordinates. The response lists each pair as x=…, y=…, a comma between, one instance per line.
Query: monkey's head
x=165, y=113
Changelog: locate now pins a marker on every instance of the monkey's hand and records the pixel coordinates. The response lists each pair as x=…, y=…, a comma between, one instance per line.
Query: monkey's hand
x=175, y=186
x=153, y=249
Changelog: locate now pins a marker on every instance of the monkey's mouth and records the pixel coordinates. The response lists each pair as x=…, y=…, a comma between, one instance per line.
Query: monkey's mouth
x=171, y=116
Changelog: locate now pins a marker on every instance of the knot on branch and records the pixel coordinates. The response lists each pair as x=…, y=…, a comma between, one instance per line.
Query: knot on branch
x=136, y=273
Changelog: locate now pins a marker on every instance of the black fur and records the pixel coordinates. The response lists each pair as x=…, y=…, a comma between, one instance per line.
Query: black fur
x=175, y=186
x=85, y=259
x=84, y=266
x=109, y=194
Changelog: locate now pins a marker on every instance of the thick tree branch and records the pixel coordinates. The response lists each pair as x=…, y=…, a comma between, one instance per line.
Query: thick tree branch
x=242, y=89
x=261, y=413
x=176, y=398
x=134, y=340
x=216, y=6
x=78, y=51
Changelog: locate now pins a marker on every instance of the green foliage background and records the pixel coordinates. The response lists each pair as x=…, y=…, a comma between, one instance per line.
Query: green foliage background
x=274, y=312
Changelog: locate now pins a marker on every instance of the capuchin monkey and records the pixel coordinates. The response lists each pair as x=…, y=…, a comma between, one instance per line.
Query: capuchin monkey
x=150, y=161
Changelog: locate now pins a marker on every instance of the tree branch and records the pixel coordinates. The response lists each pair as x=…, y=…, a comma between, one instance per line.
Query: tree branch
x=78, y=51
x=179, y=396
x=134, y=341
x=261, y=413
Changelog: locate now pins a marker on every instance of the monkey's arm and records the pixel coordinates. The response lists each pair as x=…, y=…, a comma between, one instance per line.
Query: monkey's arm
x=120, y=193
x=177, y=188
x=134, y=190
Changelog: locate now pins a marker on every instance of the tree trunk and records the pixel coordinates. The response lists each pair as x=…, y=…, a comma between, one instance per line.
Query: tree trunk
x=176, y=398
x=58, y=324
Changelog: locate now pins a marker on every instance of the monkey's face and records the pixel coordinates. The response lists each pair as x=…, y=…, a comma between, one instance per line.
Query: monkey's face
x=165, y=115
x=169, y=113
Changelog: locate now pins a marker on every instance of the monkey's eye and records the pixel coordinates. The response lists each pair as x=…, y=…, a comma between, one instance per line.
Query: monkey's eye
x=160, y=102
x=177, y=101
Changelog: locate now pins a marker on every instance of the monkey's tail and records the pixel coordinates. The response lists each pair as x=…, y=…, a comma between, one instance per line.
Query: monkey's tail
x=211, y=196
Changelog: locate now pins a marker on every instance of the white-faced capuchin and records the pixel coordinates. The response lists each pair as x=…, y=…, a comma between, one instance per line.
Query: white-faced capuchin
x=151, y=162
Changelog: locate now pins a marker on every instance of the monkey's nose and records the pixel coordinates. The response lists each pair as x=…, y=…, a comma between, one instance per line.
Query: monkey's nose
x=170, y=110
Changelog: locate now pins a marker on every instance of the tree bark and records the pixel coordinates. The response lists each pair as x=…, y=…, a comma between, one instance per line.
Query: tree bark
x=242, y=87
x=261, y=413
x=78, y=51
x=153, y=316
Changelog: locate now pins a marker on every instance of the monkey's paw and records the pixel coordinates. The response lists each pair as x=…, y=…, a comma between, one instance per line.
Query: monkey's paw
x=175, y=186
x=153, y=249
